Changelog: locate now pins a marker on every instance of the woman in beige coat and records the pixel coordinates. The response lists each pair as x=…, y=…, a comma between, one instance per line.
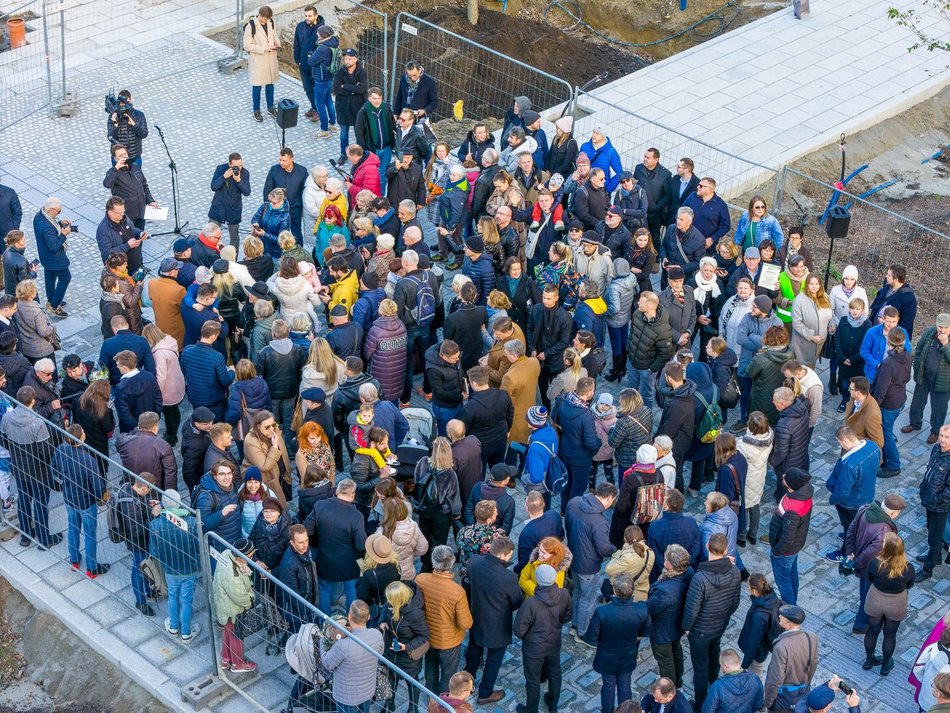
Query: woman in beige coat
x=261, y=43
x=811, y=315
x=264, y=447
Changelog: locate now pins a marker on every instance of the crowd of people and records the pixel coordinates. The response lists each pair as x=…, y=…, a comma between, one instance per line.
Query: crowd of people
x=296, y=350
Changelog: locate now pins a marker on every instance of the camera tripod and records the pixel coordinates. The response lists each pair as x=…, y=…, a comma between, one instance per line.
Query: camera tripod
x=173, y=167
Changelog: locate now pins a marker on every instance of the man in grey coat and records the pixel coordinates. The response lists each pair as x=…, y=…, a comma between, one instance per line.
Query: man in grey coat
x=793, y=663
x=353, y=667
x=752, y=328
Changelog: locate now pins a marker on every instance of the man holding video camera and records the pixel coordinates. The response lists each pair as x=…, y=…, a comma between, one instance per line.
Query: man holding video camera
x=126, y=125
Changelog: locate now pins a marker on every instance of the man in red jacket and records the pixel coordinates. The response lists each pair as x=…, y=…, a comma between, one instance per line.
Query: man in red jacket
x=365, y=172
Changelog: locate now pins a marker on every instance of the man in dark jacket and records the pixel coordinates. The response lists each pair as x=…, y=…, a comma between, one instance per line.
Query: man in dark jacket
x=444, y=374
x=792, y=435
x=280, y=364
x=16, y=267
x=375, y=131
x=478, y=266
x=46, y=391
x=788, y=531
x=126, y=180
x=680, y=305
x=649, y=346
x=173, y=541
x=305, y=41
x=579, y=439
x=494, y=598
x=136, y=392
x=136, y=506
x=346, y=400
x=11, y=212
x=680, y=187
x=124, y=340
x=666, y=602
x=345, y=337
x=142, y=450
x=591, y=200
x=896, y=293
x=404, y=176
x=538, y=625
x=711, y=600
x=117, y=233
x=417, y=91
x=338, y=533
x=935, y=497
x=735, y=690
x=291, y=177
x=216, y=500
x=298, y=571
x=494, y=488
x=674, y=528
x=864, y=541
x=466, y=459
x=665, y=698
x=710, y=212
x=654, y=178
x=683, y=245
x=207, y=376
x=484, y=184
x=350, y=85
x=541, y=523
x=127, y=127
x=633, y=202
x=194, y=444
x=488, y=415
x=588, y=540
x=549, y=334
x=678, y=421
x=220, y=448
x=931, y=378
x=51, y=235
x=230, y=183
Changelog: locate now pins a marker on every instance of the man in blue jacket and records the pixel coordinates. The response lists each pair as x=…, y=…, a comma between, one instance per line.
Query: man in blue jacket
x=589, y=542
x=124, y=340
x=683, y=245
x=305, y=42
x=230, y=183
x=136, y=392
x=711, y=214
x=51, y=235
x=898, y=294
x=291, y=177
x=173, y=541
x=322, y=69
x=478, y=266
x=579, y=439
x=11, y=212
x=207, y=377
x=735, y=690
x=852, y=479
x=541, y=523
x=874, y=346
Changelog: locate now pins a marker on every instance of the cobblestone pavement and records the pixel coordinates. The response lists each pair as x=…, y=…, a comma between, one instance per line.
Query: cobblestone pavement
x=205, y=115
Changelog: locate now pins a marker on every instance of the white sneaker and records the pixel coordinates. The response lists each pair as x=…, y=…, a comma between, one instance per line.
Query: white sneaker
x=195, y=631
x=168, y=629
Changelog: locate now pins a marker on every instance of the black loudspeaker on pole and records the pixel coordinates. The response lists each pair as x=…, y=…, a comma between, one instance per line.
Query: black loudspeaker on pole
x=287, y=110
x=837, y=226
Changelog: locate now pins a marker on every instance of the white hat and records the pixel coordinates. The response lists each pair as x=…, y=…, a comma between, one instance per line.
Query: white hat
x=565, y=124
x=646, y=454
x=850, y=271
x=605, y=399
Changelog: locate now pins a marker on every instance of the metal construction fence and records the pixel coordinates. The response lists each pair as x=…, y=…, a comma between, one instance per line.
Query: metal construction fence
x=485, y=81
x=281, y=628
x=631, y=134
x=877, y=238
x=32, y=42
x=95, y=517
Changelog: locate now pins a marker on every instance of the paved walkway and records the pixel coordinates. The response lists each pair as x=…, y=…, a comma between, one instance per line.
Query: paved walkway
x=776, y=89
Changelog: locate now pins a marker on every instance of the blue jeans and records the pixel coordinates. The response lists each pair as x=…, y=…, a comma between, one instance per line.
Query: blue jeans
x=82, y=522
x=785, y=572
x=618, y=340
x=181, y=592
x=586, y=591
x=323, y=98
x=268, y=95
x=56, y=283
x=330, y=592
x=385, y=158
x=861, y=618
x=306, y=79
x=892, y=458
x=614, y=690
x=643, y=381
x=444, y=414
x=344, y=138
x=139, y=586
x=745, y=398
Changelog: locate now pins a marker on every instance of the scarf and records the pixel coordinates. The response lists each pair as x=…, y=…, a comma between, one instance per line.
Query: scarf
x=111, y=297
x=702, y=287
x=377, y=221
x=412, y=87
x=847, y=292
x=573, y=398
x=855, y=322
x=513, y=283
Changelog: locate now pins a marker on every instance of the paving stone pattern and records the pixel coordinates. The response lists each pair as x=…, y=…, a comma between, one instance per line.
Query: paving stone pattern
x=205, y=115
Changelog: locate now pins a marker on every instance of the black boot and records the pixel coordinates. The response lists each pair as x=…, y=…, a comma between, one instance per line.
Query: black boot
x=614, y=375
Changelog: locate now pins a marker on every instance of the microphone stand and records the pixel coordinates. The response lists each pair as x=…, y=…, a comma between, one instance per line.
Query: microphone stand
x=179, y=227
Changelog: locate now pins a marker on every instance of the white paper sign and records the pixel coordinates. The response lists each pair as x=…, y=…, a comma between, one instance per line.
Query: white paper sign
x=768, y=279
x=156, y=213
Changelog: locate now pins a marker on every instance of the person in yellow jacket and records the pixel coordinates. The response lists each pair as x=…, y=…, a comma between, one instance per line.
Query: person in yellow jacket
x=550, y=551
x=345, y=288
x=790, y=284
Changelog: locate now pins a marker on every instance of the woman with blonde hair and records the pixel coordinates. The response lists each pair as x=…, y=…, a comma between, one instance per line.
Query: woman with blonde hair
x=385, y=351
x=488, y=229
x=231, y=298
x=890, y=575
x=36, y=335
x=290, y=248
x=728, y=258
x=567, y=380
x=632, y=430
x=171, y=381
x=811, y=317
x=258, y=265
x=294, y=292
x=406, y=631
x=634, y=559
x=323, y=369
x=436, y=525
x=270, y=220
x=365, y=234
x=249, y=391
x=560, y=272
x=379, y=568
x=362, y=208
x=384, y=254
x=313, y=446
x=550, y=551
x=409, y=543
x=301, y=331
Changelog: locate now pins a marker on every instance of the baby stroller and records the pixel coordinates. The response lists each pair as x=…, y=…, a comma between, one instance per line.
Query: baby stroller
x=420, y=424
x=312, y=689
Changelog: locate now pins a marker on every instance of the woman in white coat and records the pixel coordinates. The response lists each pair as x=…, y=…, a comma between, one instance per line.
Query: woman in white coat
x=841, y=296
x=294, y=292
x=755, y=445
x=314, y=191
x=811, y=317
x=261, y=44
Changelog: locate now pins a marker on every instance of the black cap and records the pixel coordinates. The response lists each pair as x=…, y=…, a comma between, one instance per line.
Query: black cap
x=575, y=225
x=259, y=290
x=591, y=236
x=202, y=414
x=675, y=272
x=501, y=471
x=339, y=311
x=350, y=52
x=794, y=614
x=220, y=267
x=370, y=280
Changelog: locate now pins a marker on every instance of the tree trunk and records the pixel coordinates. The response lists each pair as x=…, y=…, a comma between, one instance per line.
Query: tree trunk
x=473, y=11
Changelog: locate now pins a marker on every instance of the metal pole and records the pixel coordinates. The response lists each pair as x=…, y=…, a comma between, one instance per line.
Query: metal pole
x=49, y=68
x=62, y=48
x=392, y=79
x=204, y=549
x=238, y=12
x=386, y=54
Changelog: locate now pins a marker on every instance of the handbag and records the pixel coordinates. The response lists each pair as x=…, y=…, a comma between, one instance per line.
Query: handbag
x=246, y=422
x=733, y=391
x=533, y=237
x=384, y=687
x=737, y=503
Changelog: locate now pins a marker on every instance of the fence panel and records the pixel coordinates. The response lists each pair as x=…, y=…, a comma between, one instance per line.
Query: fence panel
x=485, y=80
x=631, y=134
x=38, y=459
x=267, y=632
x=876, y=238
x=30, y=68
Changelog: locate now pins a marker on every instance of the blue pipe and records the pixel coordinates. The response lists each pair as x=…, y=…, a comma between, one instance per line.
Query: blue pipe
x=874, y=190
x=835, y=194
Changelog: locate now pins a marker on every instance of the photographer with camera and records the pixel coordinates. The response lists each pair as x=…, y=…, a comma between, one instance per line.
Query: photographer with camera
x=126, y=180
x=51, y=234
x=821, y=698
x=230, y=183
x=117, y=233
x=126, y=125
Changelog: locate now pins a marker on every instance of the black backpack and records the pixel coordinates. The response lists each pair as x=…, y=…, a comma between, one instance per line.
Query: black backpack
x=425, y=495
x=114, y=519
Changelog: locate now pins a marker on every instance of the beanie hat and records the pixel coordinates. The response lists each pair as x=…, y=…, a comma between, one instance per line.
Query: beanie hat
x=202, y=275
x=537, y=416
x=475, y=244
x=565, y=124
x=545, y=575
x=530, y=117
x=253, y=473
x=646, y=454
x=796, y=478
x=763, y=303
x=850, y=271
x=605, y=399
x=370, y=280
x=171, y=499
x=324, y=31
